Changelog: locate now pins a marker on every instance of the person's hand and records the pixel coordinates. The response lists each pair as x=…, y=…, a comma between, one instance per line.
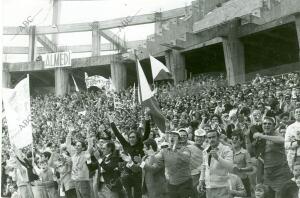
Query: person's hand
x=71, y=129
x=214, y=154
x=110, y=117
x=233, y=192
x=137, y=159
x=201, y=186
x=147, y=113
x=294, y=145
x=257, y=135
x=246, y=132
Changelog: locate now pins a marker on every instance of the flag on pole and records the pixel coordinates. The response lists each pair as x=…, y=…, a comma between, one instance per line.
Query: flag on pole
x=76, y=87
x=17, y=108
x=159, y=70
x=148, y=99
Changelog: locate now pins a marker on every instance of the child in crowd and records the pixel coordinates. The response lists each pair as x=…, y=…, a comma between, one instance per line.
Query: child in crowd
x=261, y=191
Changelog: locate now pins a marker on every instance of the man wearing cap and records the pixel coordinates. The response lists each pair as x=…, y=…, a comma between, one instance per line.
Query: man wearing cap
x=196, y=157
x=184, y=141
x=217, y=162
x=176, y=161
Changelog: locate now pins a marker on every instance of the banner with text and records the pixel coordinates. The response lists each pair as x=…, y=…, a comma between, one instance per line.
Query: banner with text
x=59, y=59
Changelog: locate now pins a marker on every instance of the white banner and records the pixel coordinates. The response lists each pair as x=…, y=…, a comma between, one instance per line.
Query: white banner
x=59, y=59
x=98, y=81
x=17, y=109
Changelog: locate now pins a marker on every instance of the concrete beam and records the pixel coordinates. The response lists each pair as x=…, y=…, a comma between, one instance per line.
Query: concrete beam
x=96, y=40
x=73, y=48
x=114, y=39
x=47, y=43
x=228, y=11
x=108, y=24
x=32, y=44
x=249, y=29
x=76, y=63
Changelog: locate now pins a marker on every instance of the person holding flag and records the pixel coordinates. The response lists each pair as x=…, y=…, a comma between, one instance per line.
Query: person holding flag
x=17, y=108
x=134, y=148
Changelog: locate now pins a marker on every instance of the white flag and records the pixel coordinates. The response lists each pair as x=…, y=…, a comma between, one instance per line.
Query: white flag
x=159, y=70
x=17, y=108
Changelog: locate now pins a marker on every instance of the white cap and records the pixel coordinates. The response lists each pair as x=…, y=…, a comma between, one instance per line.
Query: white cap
x=200, y=132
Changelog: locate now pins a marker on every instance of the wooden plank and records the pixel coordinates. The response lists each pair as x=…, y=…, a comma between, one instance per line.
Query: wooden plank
x=107, y=24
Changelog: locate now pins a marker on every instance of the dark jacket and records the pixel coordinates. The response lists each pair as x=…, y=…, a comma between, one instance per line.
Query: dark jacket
x=136, y=149
x=110, y=172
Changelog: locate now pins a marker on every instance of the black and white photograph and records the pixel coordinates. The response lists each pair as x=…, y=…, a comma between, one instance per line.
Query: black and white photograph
x=150, y=98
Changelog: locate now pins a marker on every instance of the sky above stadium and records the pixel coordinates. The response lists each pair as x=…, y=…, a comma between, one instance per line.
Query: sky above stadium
x=16, y=11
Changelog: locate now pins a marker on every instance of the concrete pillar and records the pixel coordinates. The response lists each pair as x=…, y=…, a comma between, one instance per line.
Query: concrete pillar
x=56, y=18
x=6, y=78
x=175, y=62
x=61, y=81
x=297, y=23
x=32, y=44
x=158, y=23
x=96, y=40
x=118, y=74
x=234, y=56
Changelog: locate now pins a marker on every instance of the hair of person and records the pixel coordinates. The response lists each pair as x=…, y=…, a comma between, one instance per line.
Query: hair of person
x=238, y=133
x=270, y=119
x=213, y=131
x=151, y=142
x=83, y=144
x=137, y=135
x=217, y=116
x=264, y=187
x=111, y=145
x=47, y=154
x=284, y=114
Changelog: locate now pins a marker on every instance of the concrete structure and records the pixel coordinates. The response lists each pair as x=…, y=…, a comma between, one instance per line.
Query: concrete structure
x=238, y=37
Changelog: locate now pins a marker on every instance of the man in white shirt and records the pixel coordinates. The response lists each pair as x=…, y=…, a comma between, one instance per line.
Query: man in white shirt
x=290, y=142
x=217, y=162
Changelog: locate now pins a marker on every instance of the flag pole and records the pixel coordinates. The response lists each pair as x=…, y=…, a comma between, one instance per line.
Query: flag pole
x=32, y=149
x=139, y=85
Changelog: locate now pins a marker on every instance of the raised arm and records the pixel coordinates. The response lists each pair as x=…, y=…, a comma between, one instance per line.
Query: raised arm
x=276, y=138
x=116, y=131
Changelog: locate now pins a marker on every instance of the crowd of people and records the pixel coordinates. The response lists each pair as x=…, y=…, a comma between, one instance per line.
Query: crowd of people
x=220, y=141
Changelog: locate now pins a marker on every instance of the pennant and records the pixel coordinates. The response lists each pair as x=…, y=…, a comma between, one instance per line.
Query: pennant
x=148, y=99
x=159, y=70
x=18, y=114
